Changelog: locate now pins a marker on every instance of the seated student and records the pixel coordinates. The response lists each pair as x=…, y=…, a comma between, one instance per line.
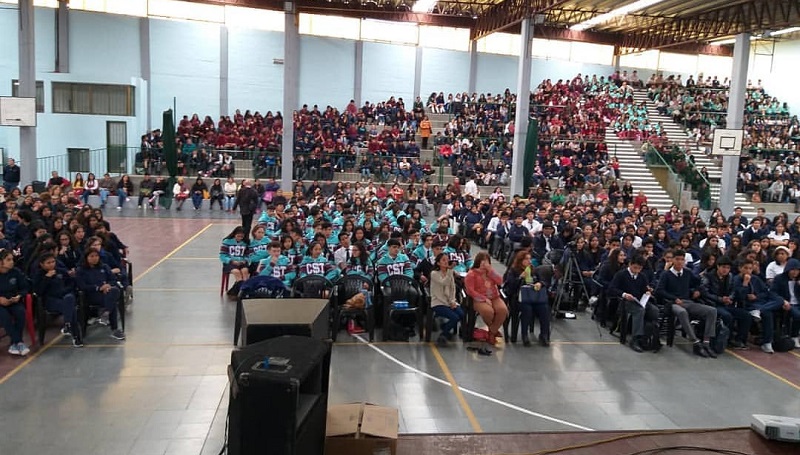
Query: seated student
x=481, y=284
x=97, y=282
x=775, y=268
x=13, y=288
x=54, y=286
x=630, y=284
x=719, y=290
x=423, y=251
x=753, y=294
x=546, y=241
x=359, y=263
x=233, y=253
x=393, y=262
x=522, y=273
x=787, y=287
x=277, y=265
x=258, y=248
x=681, y=289
x=316, y=263
x=443, y=297
x=343, y=252
x=458, y=251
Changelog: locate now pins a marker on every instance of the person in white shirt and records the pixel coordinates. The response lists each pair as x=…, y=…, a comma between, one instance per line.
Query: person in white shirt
x=342, y=254
x=712, y=232
x=776, y=267
x=779, y=237
x=471, y=189
x=532, y=224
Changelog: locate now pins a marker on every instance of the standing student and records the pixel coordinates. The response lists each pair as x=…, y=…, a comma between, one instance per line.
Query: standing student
x=13, y=287
x=247, y=200
x=443, y=298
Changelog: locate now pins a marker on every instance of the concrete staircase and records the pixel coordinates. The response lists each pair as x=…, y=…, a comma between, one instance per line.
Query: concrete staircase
x=677, y=135
x=633, y=169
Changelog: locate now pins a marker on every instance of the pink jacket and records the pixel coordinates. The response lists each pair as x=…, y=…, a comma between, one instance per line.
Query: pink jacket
x=476, y=285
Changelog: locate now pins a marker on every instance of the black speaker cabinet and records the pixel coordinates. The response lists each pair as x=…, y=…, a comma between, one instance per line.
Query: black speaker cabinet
x=269, y=318
x=279, y=408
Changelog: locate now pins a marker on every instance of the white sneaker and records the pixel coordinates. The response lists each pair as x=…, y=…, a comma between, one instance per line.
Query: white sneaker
x=796, y=342
x=119, y=208
x=767, y=347
x=592, y=300
x=23, y=350
x=756, y=314
x=13, y=349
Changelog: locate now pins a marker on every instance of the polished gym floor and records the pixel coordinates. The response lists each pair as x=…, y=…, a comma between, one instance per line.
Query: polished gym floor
x=164, y=390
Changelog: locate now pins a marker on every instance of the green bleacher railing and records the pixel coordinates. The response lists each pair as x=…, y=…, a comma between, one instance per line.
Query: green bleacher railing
x=682, y=170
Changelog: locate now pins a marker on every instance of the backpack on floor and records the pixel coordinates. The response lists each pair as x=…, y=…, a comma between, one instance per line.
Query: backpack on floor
x=782, y=344
x=720, y=341
x=650, y=340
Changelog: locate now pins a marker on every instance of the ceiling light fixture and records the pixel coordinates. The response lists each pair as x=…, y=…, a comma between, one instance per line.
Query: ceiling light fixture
x=785, y=31
x=733, y=40
x=621, y=11
x=423, y=6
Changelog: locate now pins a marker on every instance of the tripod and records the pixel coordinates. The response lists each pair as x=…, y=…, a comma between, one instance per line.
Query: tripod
x=570, y=287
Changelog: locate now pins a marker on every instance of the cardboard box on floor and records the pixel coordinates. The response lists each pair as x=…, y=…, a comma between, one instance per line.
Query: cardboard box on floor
x=361, y=429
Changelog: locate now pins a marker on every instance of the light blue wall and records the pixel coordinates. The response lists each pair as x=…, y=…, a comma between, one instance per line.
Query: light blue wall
x=254, y=81
x=444, y=71
x=327, y=71
x=184, y=59
x=388, y=71
x=496, y=73
x=103, y=47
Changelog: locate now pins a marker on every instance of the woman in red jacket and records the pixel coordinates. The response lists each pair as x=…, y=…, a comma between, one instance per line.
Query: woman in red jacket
x=481, y=284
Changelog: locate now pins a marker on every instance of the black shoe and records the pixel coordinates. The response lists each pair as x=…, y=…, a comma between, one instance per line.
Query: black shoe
x=441, y=341
x=526, y=342
x=636, y=346
x=699, y=351
x=657, y=347
x=709, y=352
x=544, y=342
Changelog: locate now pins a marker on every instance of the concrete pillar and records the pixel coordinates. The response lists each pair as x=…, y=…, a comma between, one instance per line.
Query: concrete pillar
x=359, y=73
x=735, y=120
x=223, y=70
x=27, y=89
x=62, y=37
x=473, y=66
x=523, y=107
x=417, y=74
x=615, y=58
x=144, y=64
x=291, y=73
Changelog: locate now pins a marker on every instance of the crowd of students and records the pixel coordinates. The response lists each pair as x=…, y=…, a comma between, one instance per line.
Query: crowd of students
x=51, y=247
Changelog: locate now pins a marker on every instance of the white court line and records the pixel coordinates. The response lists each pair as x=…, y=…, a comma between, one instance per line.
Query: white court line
x=468, y=391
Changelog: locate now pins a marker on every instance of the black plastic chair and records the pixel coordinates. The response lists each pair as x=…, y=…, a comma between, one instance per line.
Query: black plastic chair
x=347, y=287
x=84, y=310
x=402, y=288
x=311, y=287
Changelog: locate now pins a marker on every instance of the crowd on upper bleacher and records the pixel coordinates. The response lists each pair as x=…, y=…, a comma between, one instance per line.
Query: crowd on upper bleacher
x=59, y=251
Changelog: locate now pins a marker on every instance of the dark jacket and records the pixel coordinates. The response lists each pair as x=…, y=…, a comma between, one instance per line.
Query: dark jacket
x=757, y=286
x=715, y=288
x=55, y=286
x=90, y=279
x=540, y=245
x=671, y=287
x=13, y=283
x=623, y=282
x=11, y=174
x=246, y=201
x=781, y=283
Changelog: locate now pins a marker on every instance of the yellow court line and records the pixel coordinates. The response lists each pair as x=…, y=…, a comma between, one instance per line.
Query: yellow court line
x=764, y=370
x=794, y=354
x=476, y=426
x=160, y=261
x=30, y=359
